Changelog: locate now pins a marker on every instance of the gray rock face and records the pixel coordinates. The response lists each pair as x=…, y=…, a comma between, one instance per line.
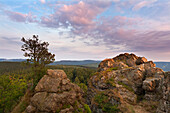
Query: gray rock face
x=55, y=92
x=164, y=106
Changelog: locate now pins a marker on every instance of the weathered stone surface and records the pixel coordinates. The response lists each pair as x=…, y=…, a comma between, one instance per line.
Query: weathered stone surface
x=48, y=84
x=164, y=105
x=53, y=92
x=56, y=74
x=141, y=60
x=133, y=77
x=150, y=84
x=128, y=96
x=30, y=109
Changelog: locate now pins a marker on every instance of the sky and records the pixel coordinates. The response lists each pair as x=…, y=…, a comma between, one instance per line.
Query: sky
x=87, y=29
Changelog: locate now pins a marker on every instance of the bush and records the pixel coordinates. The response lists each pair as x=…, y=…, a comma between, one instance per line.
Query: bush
x=87, y=108
x=83, y=87
x=103, y=103
x=11, y=88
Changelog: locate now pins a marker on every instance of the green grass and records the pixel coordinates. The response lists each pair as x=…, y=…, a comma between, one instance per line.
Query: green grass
x=82, y=73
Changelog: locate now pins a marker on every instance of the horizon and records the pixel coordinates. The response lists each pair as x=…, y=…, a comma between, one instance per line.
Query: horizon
x=86, y=29
x=72, y=59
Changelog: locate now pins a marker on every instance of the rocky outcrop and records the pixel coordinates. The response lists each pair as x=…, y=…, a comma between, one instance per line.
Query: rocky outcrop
x=56, y=94
x=164, y=106
x=131, y=78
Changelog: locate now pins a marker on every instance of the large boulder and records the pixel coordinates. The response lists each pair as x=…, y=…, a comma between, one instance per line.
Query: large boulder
x=55, y=93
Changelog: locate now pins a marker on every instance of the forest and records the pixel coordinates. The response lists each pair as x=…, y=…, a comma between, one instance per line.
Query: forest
x=16, y=78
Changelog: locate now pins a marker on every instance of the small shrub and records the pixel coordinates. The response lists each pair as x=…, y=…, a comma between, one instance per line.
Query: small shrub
x=83, y=87
x=112, y=68
x=80, y=110
x=103, y=103
x=23, y=106
x=58, y=111
x=111, y=82
x=66, y=106
x=87, y=108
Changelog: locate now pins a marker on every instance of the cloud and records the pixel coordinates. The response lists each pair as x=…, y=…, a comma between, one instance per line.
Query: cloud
x=77, y=16
x=143, y=4
x=42, y=1
x=19, y=17
x=10, y=43
x=16, y=16
x=85, y=19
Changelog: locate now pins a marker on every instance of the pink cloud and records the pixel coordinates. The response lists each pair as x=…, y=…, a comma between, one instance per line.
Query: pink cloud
x=42, y=1
x=16, y=16
x=19, y=17
x=116, y=33
x=78, y=15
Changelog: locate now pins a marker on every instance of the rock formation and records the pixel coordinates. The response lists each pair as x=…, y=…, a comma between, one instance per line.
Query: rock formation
x=128, y=80
x=56, y=94
x=126, y=83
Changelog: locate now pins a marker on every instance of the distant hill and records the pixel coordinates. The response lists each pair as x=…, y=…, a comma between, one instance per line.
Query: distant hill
x=2, y=59
x=11, y=60
x=70, y=62
x=88, y=63
x=163, y=65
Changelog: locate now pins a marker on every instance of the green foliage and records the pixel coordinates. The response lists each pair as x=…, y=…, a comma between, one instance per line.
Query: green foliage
x=112, y=68
x=11, y=88
x=100, y=98
x=87, y=108
x=75, y=105
x=77, y=81
x=80, y=110
x=23, y=106
x=37, y=52
x=14, y=68
x=66, y=106
x=103, y=103
x=58, y=111
x=38, y=73
x=83, y=87
x=109, y=108
x=14, y=77
x=126, y=86
x=76, y=74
